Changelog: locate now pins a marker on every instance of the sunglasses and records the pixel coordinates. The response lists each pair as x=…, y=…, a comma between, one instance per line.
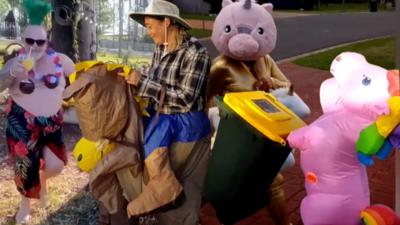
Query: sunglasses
x=31, y=41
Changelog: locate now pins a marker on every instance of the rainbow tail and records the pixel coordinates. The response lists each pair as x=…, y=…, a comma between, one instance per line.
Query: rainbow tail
x=379, y=215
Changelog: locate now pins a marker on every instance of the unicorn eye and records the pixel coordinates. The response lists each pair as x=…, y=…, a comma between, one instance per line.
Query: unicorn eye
x=260, y=30
x=227, y=29
x=366, y=81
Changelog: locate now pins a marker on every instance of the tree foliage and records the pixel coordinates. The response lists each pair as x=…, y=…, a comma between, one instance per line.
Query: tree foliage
x=14, y=3
x=4, y=7
x=104, y=15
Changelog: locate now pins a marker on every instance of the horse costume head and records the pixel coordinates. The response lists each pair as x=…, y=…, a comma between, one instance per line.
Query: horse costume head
x=111, y=124
x=106, y=110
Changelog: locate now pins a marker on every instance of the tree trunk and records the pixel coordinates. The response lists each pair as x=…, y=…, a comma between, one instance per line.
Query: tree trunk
x=130, y=40
x=121, y=26
x=62, y=27
x=113, y=22
x=63, y=34
x=87, y=31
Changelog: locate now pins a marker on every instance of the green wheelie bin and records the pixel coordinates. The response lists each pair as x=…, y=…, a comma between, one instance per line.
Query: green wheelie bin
x=244, y=162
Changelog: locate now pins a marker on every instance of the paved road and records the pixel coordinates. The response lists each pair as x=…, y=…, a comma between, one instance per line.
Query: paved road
x=303, y=34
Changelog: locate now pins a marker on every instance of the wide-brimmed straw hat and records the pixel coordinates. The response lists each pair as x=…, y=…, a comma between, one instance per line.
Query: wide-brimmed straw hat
x=160, y=8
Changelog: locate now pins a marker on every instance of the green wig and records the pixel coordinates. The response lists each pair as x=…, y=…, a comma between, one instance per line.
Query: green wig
x=36, y=10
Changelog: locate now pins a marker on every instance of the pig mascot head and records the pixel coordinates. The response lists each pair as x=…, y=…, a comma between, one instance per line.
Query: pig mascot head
x=244, y=30
x=336, y=182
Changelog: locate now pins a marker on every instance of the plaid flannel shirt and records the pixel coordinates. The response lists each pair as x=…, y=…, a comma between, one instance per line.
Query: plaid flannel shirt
x=184, y=73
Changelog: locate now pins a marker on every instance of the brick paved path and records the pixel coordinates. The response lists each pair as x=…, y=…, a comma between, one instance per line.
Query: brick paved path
x=307, y=82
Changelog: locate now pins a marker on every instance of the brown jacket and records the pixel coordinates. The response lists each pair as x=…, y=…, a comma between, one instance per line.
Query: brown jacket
x=231, y=75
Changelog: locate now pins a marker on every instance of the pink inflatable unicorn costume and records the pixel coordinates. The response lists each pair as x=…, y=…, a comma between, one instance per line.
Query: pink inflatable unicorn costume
x=336, y=182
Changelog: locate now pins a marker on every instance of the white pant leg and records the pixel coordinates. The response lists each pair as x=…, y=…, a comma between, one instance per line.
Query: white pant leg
x=293, y=102
x=289, y=162
x=213, y=115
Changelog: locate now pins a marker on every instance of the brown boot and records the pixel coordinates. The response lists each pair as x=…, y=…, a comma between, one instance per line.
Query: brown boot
x=162, y=188
x=277, y=206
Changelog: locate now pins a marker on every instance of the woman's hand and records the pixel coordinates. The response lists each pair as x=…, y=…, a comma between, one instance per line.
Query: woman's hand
x=133, y=77
x=280, y=84
x=264, y=84
x=18, y=71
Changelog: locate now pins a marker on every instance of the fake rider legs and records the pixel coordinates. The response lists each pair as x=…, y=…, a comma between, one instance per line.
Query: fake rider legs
x=161, y=133
x=162, y=187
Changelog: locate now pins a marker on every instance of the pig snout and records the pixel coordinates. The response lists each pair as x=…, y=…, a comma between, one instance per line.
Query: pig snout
x=243, y=46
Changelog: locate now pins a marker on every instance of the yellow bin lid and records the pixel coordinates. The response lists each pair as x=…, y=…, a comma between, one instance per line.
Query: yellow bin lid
x=265, y=113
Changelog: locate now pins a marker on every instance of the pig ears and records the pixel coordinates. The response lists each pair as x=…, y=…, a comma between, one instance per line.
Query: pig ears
x=344, y=63
x=268, y=6
x=226, y=2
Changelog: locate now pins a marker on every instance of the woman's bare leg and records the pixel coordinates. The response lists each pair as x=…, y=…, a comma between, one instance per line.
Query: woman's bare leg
x=22, y=216
x=53, y=167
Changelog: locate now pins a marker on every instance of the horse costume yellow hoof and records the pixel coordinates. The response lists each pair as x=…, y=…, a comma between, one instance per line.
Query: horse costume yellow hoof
x=88, y=153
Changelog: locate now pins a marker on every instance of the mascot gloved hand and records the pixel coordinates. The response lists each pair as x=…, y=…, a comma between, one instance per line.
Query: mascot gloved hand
x=244, y=33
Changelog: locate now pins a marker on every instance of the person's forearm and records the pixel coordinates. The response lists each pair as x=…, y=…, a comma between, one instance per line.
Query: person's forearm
x=5, y=82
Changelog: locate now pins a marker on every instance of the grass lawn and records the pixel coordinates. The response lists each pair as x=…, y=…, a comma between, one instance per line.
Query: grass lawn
x=379, y=51
x=198, y=16
x=338, y=7
x=131, y=61
x=349, y=7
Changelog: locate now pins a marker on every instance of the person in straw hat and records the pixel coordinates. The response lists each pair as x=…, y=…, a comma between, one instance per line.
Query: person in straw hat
x=177, y=133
